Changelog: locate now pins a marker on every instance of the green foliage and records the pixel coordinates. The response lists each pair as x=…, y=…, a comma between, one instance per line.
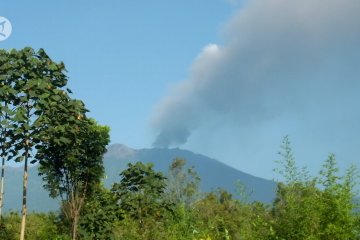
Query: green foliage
x=72, y=167
x=145, y=204
x=288, y=169
x=318, y=208
x=75, y=163
x=41, y=123
x=216, y=215
x=9, y=227
x=219, y=216
x=40, y=226
x=337, y=202
x=32, y=85
x=296, y=211
x=242, y=192
x=32, y=89
x=140, y=192
x=182, y=184
x=100, y=215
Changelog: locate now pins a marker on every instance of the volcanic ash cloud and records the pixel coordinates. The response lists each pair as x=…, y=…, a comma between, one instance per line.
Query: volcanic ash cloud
x=279, y=57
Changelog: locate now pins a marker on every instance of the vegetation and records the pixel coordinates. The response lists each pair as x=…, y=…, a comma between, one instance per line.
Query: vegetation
x=41, y=123
x=73, y=168
x=139, y=207
x=32, y=94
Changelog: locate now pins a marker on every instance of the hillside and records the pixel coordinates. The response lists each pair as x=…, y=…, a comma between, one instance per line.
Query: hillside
x=213, y=174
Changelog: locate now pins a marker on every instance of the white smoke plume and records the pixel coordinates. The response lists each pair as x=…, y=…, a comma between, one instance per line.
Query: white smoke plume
x=278, y=57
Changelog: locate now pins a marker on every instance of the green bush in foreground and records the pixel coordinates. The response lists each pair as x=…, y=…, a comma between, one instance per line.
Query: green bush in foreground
x=39, y=226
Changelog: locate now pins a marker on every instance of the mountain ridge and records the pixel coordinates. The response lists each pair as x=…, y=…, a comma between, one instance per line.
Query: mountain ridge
x=213, y=173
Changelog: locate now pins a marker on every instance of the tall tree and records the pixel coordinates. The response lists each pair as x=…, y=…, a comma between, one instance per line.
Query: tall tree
x=315, y=208
x=337, y=201
x=296, y=205
x=71, y=163
x=38, y=84
x=7, y=94
x=182, y=184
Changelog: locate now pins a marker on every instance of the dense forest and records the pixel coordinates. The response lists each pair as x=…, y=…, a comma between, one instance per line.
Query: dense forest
x=42, y=124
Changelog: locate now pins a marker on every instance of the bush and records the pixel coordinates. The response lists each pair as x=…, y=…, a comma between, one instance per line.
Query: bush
x=39, y=226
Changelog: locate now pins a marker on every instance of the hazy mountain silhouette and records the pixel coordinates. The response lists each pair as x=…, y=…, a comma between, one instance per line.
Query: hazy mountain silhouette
x=213, y=174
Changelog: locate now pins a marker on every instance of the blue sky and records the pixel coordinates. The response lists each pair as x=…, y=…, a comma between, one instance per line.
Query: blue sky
x=223, y=78
x=120, y=55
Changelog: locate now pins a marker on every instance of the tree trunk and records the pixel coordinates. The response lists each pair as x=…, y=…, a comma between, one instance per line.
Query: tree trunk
x=75, y=225
x=24, y=209
x=4, y=154
x=77, y=201
x=2, y=186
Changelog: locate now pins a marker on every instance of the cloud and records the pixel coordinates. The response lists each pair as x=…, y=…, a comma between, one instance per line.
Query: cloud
x=279, y=57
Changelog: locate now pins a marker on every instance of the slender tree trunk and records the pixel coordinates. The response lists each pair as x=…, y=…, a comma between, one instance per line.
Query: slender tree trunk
x=77, y=201
x=2, y=187
x=3, y=153
x=24, y=209
x=75, y=211
x=75, y=225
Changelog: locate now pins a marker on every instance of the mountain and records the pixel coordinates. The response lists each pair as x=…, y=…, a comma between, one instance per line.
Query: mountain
x=37, y=200
x=213, y=174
